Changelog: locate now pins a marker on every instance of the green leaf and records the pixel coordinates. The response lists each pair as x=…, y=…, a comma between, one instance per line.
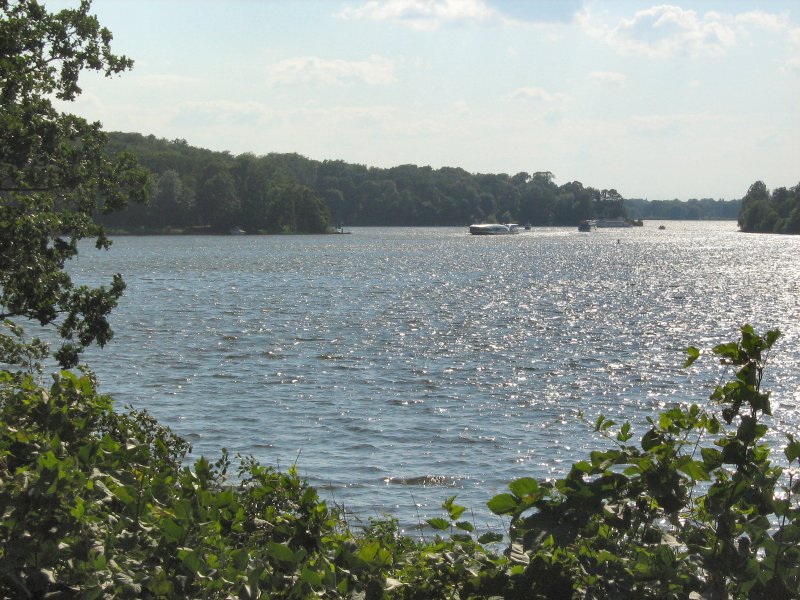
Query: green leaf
x=173, y=531
x=375, y=554
x=650, y=440
x=771, y=337
x=311, y=577
x=792, y=450
x=280, y=552
x=490, y=538
x=123, y=492
x=525, y=487
x=191, y=559
x=729, y=351
x=712, y=458
x=454, y=510
x=240, y=558
x=625, y=432
x=694, y=469
x=79, y=509
x=503, y=504
x=465, y=526
x=439, y=523
x=692, y=355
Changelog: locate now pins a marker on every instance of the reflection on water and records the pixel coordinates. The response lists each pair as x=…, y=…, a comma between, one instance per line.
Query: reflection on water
x=401, y=366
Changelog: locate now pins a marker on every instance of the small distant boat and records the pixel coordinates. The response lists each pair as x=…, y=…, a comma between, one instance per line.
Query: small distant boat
x=493, y=229
x=585, y=225
x=237, y=231
x=662, y=226
x=618, y=222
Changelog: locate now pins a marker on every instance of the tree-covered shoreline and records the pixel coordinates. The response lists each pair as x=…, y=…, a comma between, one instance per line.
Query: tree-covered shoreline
x=195, y=190
x=770, y=212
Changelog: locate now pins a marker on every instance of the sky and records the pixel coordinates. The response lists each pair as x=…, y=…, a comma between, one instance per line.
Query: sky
x=696, y=99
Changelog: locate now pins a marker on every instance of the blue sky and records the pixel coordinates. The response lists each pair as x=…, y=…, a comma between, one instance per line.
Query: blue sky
x=687, y=100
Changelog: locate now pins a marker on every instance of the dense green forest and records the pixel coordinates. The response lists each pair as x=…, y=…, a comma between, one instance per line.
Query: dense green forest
x=775, y=212
x=690, y=210
x=200, y=190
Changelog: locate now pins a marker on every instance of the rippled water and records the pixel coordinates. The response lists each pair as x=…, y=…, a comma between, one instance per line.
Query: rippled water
x=398, y=367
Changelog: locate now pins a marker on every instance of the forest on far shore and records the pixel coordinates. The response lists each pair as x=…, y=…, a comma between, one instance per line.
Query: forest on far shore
x=195, y=189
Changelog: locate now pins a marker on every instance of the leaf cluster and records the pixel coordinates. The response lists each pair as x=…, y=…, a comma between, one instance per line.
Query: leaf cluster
x=55, y=173
x=695, y=510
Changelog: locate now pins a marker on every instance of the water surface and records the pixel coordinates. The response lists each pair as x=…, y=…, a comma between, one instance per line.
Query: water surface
x=398, y=367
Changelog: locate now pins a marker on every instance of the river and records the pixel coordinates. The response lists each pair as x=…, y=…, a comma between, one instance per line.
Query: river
x=397, y=367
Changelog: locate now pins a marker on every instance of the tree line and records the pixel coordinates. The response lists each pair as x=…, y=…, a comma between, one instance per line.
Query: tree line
x=680, y=210
x=770, y=212
x=200, y=190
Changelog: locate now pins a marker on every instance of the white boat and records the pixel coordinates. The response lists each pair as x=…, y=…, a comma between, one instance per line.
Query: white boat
x=618, y=222
x=493, y=229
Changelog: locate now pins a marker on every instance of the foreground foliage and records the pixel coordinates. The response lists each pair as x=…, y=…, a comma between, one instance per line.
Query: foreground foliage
x=55, y=173
x=97, y=503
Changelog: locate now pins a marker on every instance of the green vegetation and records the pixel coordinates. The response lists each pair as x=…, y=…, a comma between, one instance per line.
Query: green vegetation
x=765, y=212
x=55, y=173
x=690, y=210
x=195, y=188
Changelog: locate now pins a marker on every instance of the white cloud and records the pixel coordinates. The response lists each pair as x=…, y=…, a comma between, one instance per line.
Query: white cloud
x=461, y=107
x=377, y=70
x=608, y=77
x=665, y=30
x=757, y=18
x=793, y=65
x=423, y=14
x=537, y=94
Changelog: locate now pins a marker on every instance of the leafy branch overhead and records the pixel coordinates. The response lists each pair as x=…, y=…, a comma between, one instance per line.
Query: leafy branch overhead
x=55, y=173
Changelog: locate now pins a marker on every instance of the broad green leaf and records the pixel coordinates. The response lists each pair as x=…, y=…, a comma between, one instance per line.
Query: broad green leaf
x=625, y=432
x=490, y=538
x=173, y=531
x=281, y=552
x=729, y=350
x=692, y=355
x=694, y=469
x=503, y=504
x=191, y=559
x=792, y=450
x=771, y=337
x=439, y=523
x=454, y=510
x=524, y=487
x=465, y=526
x=240, y=558
x=311, y=577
